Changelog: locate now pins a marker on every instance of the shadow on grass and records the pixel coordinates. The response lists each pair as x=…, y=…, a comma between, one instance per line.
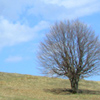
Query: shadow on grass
x=69, y=91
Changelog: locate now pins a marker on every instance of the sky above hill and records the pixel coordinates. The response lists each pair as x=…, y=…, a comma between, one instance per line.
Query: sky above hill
x=24, y=23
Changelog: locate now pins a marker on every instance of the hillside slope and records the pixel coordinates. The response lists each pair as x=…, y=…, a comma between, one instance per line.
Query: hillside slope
x=27, y=87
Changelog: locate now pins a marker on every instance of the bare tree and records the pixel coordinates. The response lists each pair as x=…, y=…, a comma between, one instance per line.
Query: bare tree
x=70, y=49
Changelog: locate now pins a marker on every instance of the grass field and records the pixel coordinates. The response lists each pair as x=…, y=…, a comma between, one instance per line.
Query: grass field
x=27, y=87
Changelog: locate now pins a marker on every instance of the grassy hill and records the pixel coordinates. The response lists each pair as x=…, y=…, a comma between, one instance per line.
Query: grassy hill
x=27, y=87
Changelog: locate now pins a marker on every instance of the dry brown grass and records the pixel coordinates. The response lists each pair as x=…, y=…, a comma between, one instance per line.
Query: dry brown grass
x=27, y=87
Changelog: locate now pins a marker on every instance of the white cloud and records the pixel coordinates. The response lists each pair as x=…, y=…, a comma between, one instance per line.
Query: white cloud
x=71, y=3
x=12, y=9
x=64, y=9
x=11, y=34
x=47, y=9
x=15, y=12
x=14, y=59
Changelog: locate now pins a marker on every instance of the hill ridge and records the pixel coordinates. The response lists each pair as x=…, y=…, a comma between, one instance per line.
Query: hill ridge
x=16, y=86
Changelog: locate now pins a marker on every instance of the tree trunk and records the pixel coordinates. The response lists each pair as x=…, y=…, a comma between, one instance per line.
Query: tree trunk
x=74, y=84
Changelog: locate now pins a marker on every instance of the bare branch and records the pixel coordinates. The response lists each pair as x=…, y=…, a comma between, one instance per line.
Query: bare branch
x=70, y=49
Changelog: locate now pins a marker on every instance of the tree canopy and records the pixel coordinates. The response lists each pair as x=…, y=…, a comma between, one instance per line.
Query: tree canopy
x=70, y=49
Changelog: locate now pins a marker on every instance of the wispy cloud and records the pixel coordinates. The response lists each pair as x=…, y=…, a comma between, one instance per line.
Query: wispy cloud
x=14, y=59
x=11, y=34
x=64, y=9
x=47, y=9
x=71, y=3
x=15, y=16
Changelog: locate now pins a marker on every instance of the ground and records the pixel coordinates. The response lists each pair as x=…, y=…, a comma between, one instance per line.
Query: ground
x=26, y=87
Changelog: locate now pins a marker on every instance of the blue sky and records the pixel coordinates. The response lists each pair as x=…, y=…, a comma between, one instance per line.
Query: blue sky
x=23, y=24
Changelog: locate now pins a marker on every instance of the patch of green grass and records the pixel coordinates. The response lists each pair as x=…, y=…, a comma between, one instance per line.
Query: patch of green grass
x=27, y=87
